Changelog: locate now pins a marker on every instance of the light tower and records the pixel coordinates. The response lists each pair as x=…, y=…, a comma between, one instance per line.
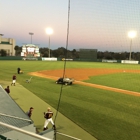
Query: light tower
x=31, y=36
x=49, y=31
x=131, y=35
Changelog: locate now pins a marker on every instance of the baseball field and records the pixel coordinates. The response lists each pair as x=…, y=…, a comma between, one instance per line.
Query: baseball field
x=104, y=100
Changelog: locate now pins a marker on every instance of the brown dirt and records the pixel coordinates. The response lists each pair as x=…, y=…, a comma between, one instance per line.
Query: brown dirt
x=84, y=74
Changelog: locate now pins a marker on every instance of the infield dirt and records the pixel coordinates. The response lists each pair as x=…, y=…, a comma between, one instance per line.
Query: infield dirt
x=83, y=74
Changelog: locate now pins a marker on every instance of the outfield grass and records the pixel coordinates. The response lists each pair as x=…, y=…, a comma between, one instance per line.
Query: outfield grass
x=106, y=115
x=127, y=81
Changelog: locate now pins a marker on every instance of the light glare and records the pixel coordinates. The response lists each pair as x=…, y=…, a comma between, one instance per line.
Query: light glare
x=49, y=31
x=132, y=34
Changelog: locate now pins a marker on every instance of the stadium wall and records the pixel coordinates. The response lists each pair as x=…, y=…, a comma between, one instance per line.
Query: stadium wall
x=14, y=58
x=61, y=59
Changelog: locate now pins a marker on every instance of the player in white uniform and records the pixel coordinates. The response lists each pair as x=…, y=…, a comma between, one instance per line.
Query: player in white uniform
x=48, y=116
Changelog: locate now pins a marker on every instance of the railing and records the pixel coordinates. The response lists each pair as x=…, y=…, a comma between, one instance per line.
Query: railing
x=24, y=131
x=15, y=117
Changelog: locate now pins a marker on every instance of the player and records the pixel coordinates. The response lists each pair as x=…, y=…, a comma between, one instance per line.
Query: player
x=18, y=70
x=48, y=116
x=14, y=80
x=21, y=72
x=7, y=89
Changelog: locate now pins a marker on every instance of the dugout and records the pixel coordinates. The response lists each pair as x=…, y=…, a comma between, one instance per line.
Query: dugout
x=88, y=54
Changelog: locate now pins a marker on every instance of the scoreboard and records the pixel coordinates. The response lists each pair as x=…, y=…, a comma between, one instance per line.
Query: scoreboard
x=30, y=50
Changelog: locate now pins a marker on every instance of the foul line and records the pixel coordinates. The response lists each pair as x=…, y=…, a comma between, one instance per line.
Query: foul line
x=89, y=84
x=68, y=136
x=109, y=88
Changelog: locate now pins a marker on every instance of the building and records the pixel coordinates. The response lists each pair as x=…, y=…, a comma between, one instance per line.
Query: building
x=7, y=44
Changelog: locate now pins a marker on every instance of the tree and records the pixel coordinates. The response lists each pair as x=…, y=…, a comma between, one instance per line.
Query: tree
x=3, y=52
x=75, y=54
x=18, y=50
x=55, y=53
x=44, y=52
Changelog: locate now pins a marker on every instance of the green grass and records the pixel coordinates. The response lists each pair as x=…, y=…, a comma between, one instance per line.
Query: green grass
x=127, y=81
x=105, y=114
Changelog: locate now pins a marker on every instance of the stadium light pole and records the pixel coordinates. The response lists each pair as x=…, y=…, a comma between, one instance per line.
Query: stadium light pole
x=131, y=35
x=31, y=36
x=49, y=31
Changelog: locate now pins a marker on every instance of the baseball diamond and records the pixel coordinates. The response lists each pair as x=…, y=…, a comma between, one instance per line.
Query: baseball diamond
x=79, y=75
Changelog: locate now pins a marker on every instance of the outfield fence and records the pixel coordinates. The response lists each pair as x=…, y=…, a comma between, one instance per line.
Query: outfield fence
x=68, y=59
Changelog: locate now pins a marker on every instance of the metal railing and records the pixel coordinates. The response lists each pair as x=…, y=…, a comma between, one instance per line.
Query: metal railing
x=24, y=131
x=1, y=114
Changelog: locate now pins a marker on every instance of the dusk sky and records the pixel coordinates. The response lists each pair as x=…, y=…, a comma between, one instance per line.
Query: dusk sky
x=93, y=24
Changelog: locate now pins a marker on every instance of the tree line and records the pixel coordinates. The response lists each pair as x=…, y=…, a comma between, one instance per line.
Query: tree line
x=62, y=52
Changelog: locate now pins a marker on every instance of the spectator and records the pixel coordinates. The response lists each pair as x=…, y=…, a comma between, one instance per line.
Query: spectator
x=29, y=113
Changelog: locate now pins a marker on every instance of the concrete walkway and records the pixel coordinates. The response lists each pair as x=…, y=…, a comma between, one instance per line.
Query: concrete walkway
x=26, y=99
